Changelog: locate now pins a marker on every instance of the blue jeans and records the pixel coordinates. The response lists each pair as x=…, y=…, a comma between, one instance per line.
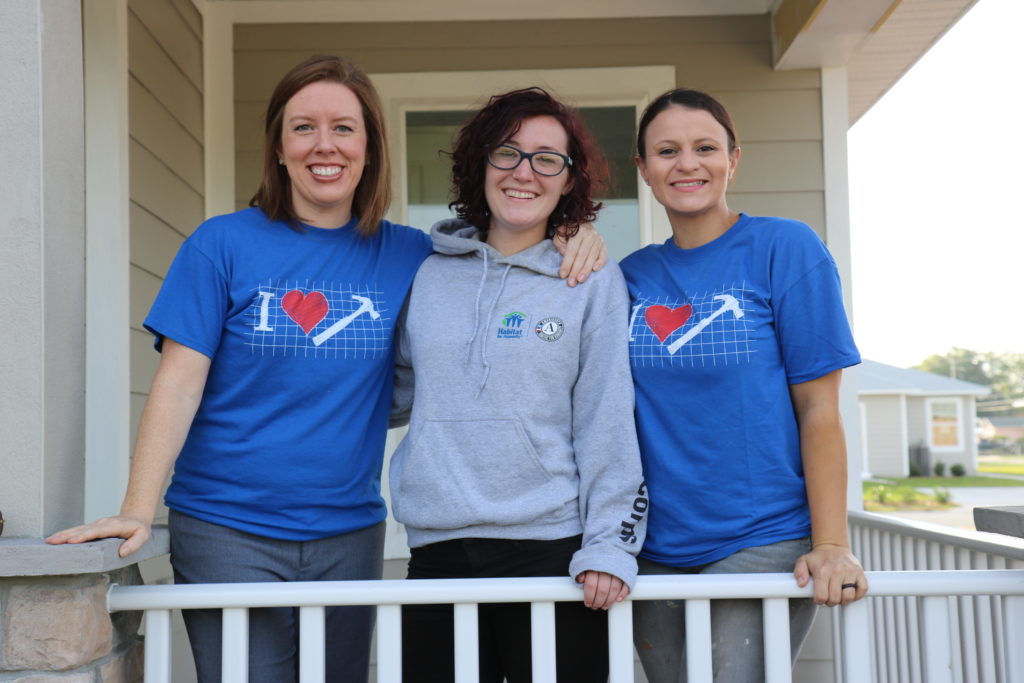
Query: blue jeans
x=202, y=552
x=737, y=626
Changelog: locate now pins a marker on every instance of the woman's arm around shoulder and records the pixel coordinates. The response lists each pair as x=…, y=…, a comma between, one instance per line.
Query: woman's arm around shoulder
x=838, y=576
x=582, y=254
x=173, y=400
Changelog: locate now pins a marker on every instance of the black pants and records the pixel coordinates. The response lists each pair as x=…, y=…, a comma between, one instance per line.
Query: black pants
x=428, y=638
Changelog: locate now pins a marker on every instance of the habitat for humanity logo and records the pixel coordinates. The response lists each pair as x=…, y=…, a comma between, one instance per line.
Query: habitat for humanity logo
x=512, y=326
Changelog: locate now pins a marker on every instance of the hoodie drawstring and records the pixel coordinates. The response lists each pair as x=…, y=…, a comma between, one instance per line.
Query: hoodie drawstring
x=476, y=306
x=483, y=341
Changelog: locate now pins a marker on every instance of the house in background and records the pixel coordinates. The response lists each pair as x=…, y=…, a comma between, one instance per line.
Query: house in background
x=126, y=122
x=903, y=410
x=1002, y=432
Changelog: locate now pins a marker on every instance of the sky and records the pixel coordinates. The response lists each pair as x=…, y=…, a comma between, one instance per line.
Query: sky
x=936, y=183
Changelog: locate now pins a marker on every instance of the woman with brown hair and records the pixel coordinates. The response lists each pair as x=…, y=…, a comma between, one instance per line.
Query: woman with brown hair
x=521, y=457
x=738, y=339
x=272, y=396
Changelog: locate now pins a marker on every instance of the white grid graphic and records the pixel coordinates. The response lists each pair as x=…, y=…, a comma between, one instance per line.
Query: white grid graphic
x=717, y=331
x=355, y=325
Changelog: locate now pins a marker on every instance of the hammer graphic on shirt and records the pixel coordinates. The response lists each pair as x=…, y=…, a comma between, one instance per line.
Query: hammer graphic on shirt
x=365, y=306
x=729, y=303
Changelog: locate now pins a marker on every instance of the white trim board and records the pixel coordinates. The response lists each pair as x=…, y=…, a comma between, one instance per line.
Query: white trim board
x=292, y=11
x=107, y=396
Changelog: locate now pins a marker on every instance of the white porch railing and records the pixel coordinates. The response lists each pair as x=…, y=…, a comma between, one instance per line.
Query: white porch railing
x=980, y=647
x=938, y=628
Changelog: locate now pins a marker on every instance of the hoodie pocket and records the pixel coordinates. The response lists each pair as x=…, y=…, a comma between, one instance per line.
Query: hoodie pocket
x=461, y=473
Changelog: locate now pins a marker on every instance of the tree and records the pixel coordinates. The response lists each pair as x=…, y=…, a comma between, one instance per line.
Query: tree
x=962, y=364
x=1003, y=373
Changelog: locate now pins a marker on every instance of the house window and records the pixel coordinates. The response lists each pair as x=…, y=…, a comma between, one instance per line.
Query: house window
x=944, y=424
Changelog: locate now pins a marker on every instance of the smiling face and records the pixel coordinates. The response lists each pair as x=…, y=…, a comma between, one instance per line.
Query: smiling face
x=323, y=146
x=687, y=162
x=521, y=200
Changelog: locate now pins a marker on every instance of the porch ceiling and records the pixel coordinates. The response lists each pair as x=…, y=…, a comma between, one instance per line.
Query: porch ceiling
x=877, y=40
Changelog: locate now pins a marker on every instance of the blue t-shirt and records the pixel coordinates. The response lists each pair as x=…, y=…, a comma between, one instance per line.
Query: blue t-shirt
x=717, y=335
x=289, y=437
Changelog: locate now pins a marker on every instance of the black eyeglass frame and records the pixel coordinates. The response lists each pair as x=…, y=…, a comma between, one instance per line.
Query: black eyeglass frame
x=529, y=156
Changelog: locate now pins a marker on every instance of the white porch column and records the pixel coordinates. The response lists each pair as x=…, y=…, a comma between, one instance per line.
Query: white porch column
x=42, y=338
x=835, y=124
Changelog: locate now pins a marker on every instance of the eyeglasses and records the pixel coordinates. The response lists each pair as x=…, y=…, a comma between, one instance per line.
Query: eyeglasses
x=507, y=157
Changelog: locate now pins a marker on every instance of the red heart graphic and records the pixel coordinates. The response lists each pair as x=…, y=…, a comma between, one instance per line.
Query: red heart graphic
x=663, y=320
x=306, y=310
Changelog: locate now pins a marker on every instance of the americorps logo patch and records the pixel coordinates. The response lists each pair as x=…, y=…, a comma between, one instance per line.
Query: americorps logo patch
x=511, y=326
x=550, y=329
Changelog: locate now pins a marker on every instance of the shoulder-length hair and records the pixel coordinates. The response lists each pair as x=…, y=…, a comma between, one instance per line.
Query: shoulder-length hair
x=498, y=121
x=373, y=193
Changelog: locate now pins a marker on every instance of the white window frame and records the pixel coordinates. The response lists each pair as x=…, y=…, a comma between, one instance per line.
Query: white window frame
x=929, y=415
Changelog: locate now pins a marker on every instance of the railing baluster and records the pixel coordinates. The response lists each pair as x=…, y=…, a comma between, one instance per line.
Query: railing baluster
x=899, y=553
x=157, y=668
x=1013, y=620
x=890, y=651
x=542, y=640
x=235, y=645
x=968, y=672
x=778, y=667
x=389, y=643
x=620, y=643
x=698, y=640
x=312, y=667
x=920, y=561
x=467, y=643
x=998, y=640
x=877, y=613
x=938, y=665
x=837, y=646
x=856, y=642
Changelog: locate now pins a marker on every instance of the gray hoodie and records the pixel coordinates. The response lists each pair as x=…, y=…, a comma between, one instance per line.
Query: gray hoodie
x=522, y=426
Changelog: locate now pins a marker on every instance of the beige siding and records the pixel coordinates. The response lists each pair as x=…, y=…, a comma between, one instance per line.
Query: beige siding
x=165, y=104
x=778, y=113
x=916, y=430
x=886, y=450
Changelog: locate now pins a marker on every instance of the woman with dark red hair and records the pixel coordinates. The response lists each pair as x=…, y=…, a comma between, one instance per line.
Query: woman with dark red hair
x=521, y=457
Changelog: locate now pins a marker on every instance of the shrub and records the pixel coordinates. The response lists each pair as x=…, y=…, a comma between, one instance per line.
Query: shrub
x=939, y=469
x=915, y=470
x=880, y=494
x=907, y=495
x=957, y=470
x=942, y=495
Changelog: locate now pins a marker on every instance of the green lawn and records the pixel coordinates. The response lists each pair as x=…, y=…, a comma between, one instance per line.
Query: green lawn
x=948, y=482
x=1001, y=468
x=929, y=493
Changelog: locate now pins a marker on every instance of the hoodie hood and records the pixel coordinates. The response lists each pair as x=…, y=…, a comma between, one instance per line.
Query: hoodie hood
x=454, y=236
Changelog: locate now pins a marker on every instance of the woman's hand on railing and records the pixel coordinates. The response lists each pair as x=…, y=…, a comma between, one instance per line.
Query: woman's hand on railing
x=134, y=530
x=838, y=577
x=601, y=590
